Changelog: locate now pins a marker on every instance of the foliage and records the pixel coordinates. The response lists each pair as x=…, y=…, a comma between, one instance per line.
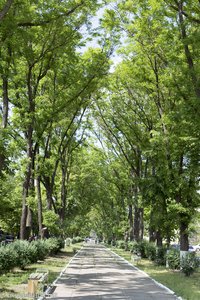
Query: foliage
x=150, y=251
x=26, y=253
x=53, y=245
x=173, y=259
x=77, y=239
x=51, y=221
x=23, y=253
x=160, y=258
x=120, y=244
x=139, y=248
x=8, y=257
x=107, y=148
x=42, y=250
x=189, y=263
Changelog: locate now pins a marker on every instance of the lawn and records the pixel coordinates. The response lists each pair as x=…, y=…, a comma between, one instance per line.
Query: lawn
x=13, y=285
x=186, y=287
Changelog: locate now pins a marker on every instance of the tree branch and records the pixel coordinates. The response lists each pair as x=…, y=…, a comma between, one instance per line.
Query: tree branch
x=44, y=22
x=5, y=9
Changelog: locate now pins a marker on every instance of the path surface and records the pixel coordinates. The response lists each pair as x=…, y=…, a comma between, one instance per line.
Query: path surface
x=97, y=273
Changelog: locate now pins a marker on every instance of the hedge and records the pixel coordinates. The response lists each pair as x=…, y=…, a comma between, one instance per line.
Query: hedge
x=22, y=253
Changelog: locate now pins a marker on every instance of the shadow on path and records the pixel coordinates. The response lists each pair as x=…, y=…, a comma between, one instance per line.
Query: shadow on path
x=97, y=273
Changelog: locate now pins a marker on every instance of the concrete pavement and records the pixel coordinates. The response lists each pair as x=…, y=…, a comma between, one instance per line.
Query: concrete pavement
x=96, y=273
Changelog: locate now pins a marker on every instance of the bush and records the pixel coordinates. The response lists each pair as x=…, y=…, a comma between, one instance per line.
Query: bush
x=53, y=245
x=7, y=258
x=150, y=251
x=61, y=243
x=130, y=245
x=139, y=248
x=120, y=244
x=77, y=239
x=189, y=264
x=32, y=252
x=161, y=256
x=23, y=255
x=173, y=259
x=42, y=249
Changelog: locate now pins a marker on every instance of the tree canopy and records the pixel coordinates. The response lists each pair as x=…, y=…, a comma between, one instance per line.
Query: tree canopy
x=90, y=143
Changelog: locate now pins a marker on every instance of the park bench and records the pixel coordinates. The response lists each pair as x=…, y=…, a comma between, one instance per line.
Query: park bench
x=135, y=258
x=37, y=280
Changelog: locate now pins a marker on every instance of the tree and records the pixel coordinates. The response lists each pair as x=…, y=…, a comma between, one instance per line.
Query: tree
x=158, y=78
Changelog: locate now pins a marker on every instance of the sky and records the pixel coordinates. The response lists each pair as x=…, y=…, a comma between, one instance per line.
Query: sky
x=93, y=43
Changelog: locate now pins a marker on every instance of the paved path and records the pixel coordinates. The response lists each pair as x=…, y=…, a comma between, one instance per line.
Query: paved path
x=96, y=273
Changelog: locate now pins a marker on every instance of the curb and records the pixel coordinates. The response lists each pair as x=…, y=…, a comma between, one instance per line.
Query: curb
x=47, y=293
x=156, y=282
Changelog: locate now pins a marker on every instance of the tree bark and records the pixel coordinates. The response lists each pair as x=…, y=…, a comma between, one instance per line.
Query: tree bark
x=184, y=241
x=5, y=9
x=39, y=202
x=5, y=102
x=141, y=223
x=65, y=179
x=136, y=223
x=30, y=164
x=4, y=119
x=159, y=240
x=48, y=188
x=39, y=198
x=130, y=218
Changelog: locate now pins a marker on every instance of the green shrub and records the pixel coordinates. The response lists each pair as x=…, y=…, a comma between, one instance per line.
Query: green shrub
x=150, y=251
x=53, y=245
x=32, y=252
x=139, y=248
x=120, y=244
x=8, y=258
x=77, y=239
x=23, y=255
x=189, y=264
x=173, y=259
x=42, y=249
x=113, y=243
x=61, y=243
x=161, y=256
x=130, y=245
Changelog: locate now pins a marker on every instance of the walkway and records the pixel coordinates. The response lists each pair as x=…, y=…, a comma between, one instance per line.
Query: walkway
x=96, y=273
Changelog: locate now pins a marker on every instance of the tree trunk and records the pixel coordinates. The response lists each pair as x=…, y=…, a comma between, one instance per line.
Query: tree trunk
x=159, y=240
x=24, y=205
x=5, y=108
x=136, y=223
x=141, y=223
x=39, y=202
x=184, y=241
x=23, y=221
x=29, y=223
x=152, y=237
x=5, y=102
x=5, y=9
x=28, y=181
x=49, y=196
x=63, y=194
x=130, y=218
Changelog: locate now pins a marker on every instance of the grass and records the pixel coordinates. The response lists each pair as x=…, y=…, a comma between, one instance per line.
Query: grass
x=186, y=287
x=14, y=284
